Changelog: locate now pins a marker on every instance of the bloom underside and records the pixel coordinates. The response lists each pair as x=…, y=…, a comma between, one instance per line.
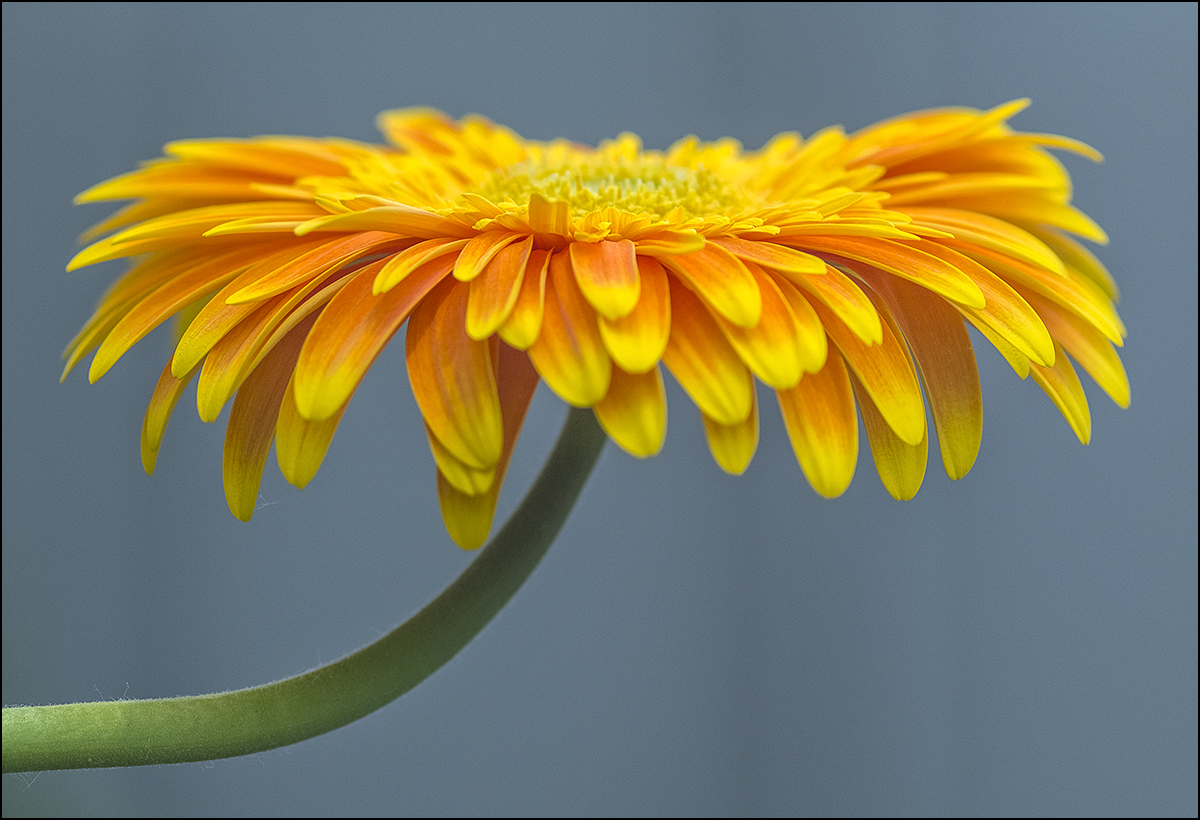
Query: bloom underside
x=841, y=271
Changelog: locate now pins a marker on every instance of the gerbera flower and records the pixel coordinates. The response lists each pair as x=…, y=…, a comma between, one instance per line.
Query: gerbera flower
x=841, y=271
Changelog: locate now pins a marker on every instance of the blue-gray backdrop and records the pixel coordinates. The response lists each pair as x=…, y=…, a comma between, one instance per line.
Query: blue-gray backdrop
x=1020, y=642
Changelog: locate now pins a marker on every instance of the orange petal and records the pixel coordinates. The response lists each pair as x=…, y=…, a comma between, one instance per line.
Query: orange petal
x=351, y=331
x=704, y=362
x=453, y=378
x=468, y=518
x=733, y=445
x=397, y=219
x=1063, y=387
x=607, y=273
x=722, y=280
x=886, y=374
x=462, y=476
x=901, y=465
x=494, y=291
x=942, y=348
x=158, y=413
x=401, y=264
x=912, y=261
x=479, y=251
x=636, y=342
x=569, y=353
x=823, y=426
x=634, y=412
x=772, y=255
x=313, y=263
x=252, y=423
x=524, y=322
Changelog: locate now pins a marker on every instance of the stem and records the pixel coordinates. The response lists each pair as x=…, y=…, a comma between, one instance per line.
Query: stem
x=206, y=727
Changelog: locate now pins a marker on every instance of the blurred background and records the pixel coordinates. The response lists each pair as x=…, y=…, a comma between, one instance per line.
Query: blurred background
x=1020, y=642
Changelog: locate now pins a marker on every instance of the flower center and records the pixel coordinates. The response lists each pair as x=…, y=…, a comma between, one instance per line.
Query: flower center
x=645, y=184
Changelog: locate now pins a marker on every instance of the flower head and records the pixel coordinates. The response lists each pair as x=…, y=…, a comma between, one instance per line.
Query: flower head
x=841, y=271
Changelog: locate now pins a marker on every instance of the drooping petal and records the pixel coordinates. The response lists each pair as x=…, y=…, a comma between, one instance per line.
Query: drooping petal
x=636, y=341
x=569, y=353
x=350, y=333
x=253, y=420
x=733, y=445
x=468, y=518
x=453, y=377
x=607, y=274
x=811, y=342
x=885, y=373
x=634, y=411
x=846, y=300
x=158, y=413
x=1062, y=386
x=939, y=342
x=300, y=442
x=706, y=365
x=901, y=465
x=822, y=425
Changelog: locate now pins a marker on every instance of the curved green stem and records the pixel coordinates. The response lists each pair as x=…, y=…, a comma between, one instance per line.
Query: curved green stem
x=206, y=727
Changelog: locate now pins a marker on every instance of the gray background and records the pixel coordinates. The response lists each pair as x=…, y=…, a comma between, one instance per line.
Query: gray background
x=1020, y=642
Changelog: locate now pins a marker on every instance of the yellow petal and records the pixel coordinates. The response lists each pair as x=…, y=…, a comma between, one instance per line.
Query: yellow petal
x=733, y=445
x=408, y=260
x=901, y=465
x=634, y=412
x=301, y=444
x=524, y=321
x=772, y=255
x=158, y=413
x=479, y=251
x=1063, y=387
x=771, y=349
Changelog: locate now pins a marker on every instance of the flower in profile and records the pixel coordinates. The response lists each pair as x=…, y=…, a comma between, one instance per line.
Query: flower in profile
x=841, y=271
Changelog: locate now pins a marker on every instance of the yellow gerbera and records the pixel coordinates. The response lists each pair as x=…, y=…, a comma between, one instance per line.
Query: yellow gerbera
x=837, y=270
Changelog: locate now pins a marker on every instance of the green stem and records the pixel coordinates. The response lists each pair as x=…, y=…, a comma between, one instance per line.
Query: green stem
x=206, y=727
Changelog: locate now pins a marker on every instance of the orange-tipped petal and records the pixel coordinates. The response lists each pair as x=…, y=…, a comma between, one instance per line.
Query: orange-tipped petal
x=475, y=255
x=634, y=412
x=822, y=425
x=636, y=342
x=569, y=353
x=453, y=377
